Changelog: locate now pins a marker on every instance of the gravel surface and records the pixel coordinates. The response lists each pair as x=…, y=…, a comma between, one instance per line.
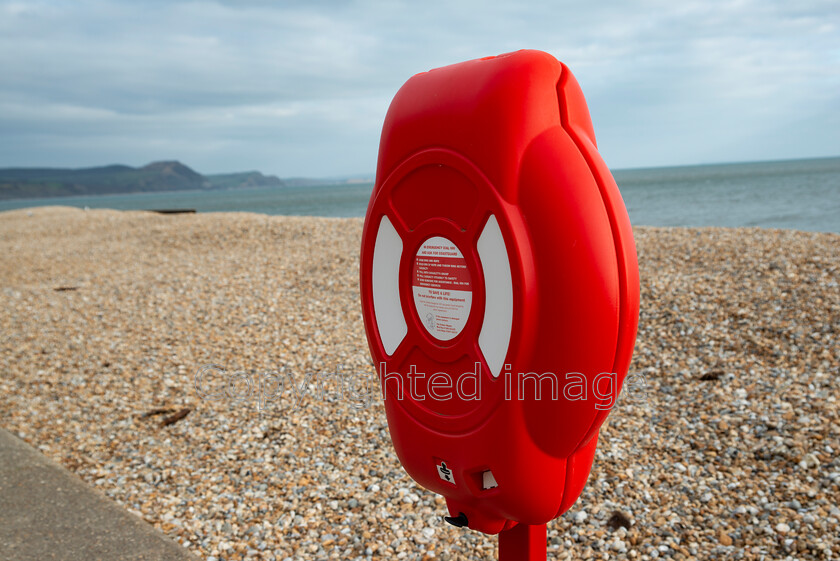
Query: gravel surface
x=724, y=444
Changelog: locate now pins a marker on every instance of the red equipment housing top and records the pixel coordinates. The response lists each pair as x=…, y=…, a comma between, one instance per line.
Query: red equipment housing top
x=499, y=286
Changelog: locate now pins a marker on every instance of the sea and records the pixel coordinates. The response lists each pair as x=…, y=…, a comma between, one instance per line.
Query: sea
x=791, y=194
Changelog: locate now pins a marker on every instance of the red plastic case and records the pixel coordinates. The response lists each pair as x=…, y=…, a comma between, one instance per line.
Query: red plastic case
x=497, y=158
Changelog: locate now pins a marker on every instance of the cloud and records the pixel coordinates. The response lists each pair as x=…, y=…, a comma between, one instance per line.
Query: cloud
x=301, y=88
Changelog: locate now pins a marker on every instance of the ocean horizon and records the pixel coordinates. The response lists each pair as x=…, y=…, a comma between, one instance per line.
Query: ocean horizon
x=789, y=194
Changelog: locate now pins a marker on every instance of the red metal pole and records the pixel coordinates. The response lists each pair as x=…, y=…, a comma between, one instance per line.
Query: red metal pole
x=523, y=543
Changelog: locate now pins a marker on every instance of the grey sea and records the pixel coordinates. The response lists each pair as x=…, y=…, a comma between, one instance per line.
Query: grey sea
x=793, y=194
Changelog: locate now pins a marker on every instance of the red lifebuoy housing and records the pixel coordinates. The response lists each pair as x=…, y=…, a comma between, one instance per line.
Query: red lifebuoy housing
x=499, y=287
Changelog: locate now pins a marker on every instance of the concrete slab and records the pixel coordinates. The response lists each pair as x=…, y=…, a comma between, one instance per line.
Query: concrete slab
x=47, y=513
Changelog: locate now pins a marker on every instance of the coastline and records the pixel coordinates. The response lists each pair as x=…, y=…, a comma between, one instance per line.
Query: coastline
x=108, y=315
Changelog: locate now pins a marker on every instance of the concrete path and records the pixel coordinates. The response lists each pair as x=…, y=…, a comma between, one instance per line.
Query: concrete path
x=48, y=513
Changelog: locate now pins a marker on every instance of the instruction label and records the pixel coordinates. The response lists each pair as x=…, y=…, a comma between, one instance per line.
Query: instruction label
x=442, y=288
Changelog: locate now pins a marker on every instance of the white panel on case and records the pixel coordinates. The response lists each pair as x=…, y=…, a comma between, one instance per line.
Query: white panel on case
x=387, y=251
x=498, y=291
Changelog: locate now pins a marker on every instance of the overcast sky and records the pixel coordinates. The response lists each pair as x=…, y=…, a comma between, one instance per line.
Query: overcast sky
x=301, y=88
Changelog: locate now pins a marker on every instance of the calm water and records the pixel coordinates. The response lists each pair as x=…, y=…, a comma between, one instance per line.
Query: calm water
x=800, y=194
x=797, y=194
x=318, y=200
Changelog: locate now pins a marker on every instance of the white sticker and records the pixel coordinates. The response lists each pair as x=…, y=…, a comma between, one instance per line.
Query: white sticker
x=442, y=288
x=445, y=473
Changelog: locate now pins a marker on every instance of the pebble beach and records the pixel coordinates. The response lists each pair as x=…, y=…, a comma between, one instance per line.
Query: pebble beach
x=117, y=327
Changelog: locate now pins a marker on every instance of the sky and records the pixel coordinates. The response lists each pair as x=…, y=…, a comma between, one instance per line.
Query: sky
x=300, y=88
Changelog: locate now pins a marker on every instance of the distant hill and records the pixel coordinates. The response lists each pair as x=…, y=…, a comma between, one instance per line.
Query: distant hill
x=19, y=183
x=244, y=179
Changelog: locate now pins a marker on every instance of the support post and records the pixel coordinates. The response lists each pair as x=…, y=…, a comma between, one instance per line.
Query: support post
x=523, y=543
